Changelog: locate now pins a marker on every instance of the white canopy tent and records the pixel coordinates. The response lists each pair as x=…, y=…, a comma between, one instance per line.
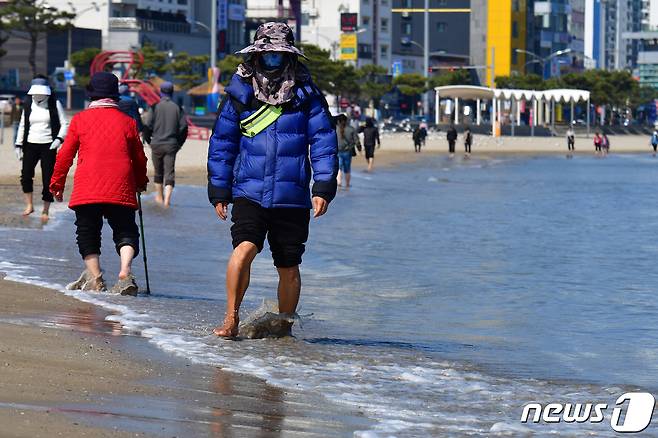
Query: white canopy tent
x=543, y=102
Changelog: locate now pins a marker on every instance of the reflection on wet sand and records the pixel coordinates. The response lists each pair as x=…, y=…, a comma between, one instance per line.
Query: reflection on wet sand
x=88, y=320
x=271, y=418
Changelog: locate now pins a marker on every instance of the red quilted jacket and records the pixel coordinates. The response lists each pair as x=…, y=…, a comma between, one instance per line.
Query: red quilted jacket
x=111, y=160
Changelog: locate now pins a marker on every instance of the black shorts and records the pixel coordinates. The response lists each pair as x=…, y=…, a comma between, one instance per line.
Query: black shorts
x=286, y=230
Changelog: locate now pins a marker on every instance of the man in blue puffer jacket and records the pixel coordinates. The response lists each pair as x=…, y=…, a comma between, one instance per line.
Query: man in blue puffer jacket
x=273, y=127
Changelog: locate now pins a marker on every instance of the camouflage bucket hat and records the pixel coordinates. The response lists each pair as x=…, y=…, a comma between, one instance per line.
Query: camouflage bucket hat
x=272, y=37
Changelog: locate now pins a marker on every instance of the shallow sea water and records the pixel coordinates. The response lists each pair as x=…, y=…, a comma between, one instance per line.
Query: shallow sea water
x=438, y=299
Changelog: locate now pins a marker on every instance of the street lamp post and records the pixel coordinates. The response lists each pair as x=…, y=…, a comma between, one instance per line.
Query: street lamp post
x=94, y=6
x=539, y=59
x=407, y=41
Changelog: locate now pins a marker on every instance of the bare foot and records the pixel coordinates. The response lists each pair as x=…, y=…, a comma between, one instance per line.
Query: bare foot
x=159, y=199
x=230, y=327
x=44, y=218
x=28, y=210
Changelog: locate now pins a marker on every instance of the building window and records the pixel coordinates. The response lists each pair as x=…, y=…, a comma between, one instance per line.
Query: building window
x=515, y=29
x=384, y=24
x=408, y=4
x=384, y=51
x=406, y=28
x=515, y=6
x=365, y=20
x=441, y=26
x=515, y=59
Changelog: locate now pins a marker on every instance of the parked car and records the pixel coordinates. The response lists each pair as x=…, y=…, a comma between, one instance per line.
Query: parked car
x=6, y=101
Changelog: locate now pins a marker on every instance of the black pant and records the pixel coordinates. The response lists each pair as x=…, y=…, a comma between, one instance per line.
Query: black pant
x=467, y=147
x=417, y=145
x=89, y=223
x=286, y=230
x=451, y=146
x=164, y=163
x=571, y=144
x=32, y=154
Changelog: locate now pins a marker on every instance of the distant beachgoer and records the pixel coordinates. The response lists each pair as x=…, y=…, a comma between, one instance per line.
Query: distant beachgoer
x=417, y=138
x=571, y=139
x=654, y=141
x=166, y=131
x=16, y=113
x=128, y=105
x=370, y=138
x=451, y=136
x=468, y=140
x=598, y=140
x=348, y=142
x=605, y=144
x=41, y=131
x=111, y=169
x=423, y=132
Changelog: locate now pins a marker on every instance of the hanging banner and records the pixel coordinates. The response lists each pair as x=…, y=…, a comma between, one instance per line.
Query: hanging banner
x=222, y=14
x=348, y=47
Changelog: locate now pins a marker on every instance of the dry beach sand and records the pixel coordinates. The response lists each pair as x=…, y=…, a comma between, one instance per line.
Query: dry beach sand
x=67, y=371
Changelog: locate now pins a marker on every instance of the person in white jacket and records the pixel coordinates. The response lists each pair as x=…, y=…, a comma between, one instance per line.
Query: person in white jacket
x=41, y=132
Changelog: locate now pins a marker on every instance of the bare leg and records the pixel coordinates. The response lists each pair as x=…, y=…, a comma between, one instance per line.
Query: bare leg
x=168, y=191
x=93, y=264
x=348, y=177
x=127, y=253
x=29, y=206
x=339, y=178
x=46, y=210
x=238, y=272
x=158, y=193
x=290, y=285
x=371, y=161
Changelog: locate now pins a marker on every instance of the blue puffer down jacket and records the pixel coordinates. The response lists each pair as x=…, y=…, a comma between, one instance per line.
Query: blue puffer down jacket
x=274, y=167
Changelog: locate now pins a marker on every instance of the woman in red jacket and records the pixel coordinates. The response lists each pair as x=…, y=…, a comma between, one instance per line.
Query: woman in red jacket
x=111, y=168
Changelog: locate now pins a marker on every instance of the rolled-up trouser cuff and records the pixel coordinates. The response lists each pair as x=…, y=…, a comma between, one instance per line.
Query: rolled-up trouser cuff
x=126, y=241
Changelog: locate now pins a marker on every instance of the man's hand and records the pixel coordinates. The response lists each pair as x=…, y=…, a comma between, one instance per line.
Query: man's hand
x=320, y=206
x=59, y=196
x=222, y=210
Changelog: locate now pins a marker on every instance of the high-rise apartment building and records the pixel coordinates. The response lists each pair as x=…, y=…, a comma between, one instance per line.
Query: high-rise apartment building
x=449, y=36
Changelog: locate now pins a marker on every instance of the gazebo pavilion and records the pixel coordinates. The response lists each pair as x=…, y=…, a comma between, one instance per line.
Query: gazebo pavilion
x=543, y=103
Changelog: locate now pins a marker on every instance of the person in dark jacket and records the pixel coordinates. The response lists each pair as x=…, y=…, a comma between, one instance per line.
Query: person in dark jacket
x=417, y=136
x=166, y=131
x=41, y=132
x=273, y=127
x=129, y=106
x=451, y=136
x=370, y=138
x=468, y=141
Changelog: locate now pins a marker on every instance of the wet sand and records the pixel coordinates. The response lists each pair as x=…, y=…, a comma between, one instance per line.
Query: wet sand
x=66, y=371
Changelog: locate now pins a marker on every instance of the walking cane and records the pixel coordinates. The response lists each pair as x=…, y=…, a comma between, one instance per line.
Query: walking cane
x=141, y=226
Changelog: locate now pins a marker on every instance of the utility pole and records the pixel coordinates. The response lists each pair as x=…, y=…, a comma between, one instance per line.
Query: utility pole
x=426, y=57
x=493, y=67
x=213, y=34
x=67, y=65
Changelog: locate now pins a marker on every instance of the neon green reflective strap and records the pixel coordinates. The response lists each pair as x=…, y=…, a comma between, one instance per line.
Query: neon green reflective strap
x=260, y=120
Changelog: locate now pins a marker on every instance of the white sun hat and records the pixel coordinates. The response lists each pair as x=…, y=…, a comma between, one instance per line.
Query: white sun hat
x=39, y=86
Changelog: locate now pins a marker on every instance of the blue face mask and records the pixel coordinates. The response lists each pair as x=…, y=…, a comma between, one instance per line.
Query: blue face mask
x=272, y=60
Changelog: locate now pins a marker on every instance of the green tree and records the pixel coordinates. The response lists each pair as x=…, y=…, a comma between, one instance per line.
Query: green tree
x=155, y=61
x=324, y=71
x=188, y=70
x=227, y=68
x=456, y=77
x=32, y=20
x=374, y=82
x=81, y=60
x=410, y=84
